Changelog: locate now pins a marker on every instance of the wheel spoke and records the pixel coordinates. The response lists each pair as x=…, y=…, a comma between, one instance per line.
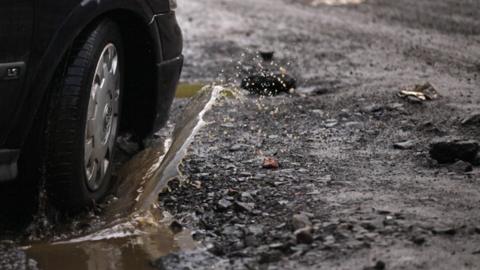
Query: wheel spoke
x=88, y=150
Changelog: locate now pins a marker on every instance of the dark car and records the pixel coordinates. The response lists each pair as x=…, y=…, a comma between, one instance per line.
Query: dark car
x=70, y=70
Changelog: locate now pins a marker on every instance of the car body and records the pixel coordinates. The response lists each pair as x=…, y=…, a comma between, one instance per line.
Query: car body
x=37, y=35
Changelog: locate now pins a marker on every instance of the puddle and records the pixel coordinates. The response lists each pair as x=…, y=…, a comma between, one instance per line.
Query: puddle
x=135, y=251
x=316, y=3
x=186, y=90
x=136, y=231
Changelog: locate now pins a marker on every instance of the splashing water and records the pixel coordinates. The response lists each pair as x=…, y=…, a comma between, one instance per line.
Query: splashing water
x=135, y=228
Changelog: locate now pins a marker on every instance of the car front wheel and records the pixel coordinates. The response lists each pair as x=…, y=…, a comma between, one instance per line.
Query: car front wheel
x=84, y=118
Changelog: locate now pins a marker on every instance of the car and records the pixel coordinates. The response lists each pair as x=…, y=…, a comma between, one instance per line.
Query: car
x=73, y=75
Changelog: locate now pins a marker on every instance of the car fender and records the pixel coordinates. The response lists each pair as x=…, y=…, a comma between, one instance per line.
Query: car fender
x=41, y=63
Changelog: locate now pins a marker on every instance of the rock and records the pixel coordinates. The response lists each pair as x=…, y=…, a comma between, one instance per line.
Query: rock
x=248, y=207
x=270, y=256
x=224, y=204
x=448, y=150
x=300, y=221
x=304, y=235
x=472, y=119
x=368, y=226
x=418, y=239
x=270, y=163
x=395, y=106
x=256, y=229
x=235, y=147
x=331, y=124
x=461, y=167
x=372, y=108
x=176, y=227
x=476, y=162
x=329, y=240
x=389, y=221
x=404, y=145
x=354, y=125
x=379, y=265
x=267, y=55
x=269, y=85
x=445, y=230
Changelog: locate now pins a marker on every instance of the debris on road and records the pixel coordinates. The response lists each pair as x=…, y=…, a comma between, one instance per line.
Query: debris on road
x=420, y=93
x=267, y=55
x=269, y=84
x=270, y=163
x=405, y=145
x=449, y=150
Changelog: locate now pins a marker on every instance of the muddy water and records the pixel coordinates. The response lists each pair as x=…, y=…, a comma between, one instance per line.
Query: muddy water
x=136, y=231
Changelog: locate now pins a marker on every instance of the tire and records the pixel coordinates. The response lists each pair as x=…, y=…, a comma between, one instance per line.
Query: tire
x=83, y=120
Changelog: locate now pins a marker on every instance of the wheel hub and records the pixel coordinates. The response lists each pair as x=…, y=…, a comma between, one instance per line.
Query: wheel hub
x=102, y=117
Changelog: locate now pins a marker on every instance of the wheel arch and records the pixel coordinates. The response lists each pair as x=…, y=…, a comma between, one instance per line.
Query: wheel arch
x=142, y=47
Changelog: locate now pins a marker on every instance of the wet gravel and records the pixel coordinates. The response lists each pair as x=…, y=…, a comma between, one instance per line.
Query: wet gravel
x=355, y=186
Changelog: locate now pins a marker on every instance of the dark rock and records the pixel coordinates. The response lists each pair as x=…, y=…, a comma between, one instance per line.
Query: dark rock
x=224, y=204
x=300, y=221
x=304, y=236
x=476, y=162
x=418, y=239
x=445, y=230
x=251, y=240
x=368, y=226
x=248, y=207
x=461, y=167
x=404, y=145
x=270, y=163
x=472, y=119
x=270, y=256
x=384, y=212
x=389, y=221
x=448, y=150
x=267, y=55
x=379, y=265
x=269, y=85
x=176, y=227
x=217, y=250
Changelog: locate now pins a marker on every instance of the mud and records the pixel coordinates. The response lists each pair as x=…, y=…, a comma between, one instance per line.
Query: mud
x=129, y=231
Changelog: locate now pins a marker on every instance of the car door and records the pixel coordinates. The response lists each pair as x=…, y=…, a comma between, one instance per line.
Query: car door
x=16, y=23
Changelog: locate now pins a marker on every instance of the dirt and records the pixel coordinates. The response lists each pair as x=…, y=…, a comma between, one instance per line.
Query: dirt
x=353, y=156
